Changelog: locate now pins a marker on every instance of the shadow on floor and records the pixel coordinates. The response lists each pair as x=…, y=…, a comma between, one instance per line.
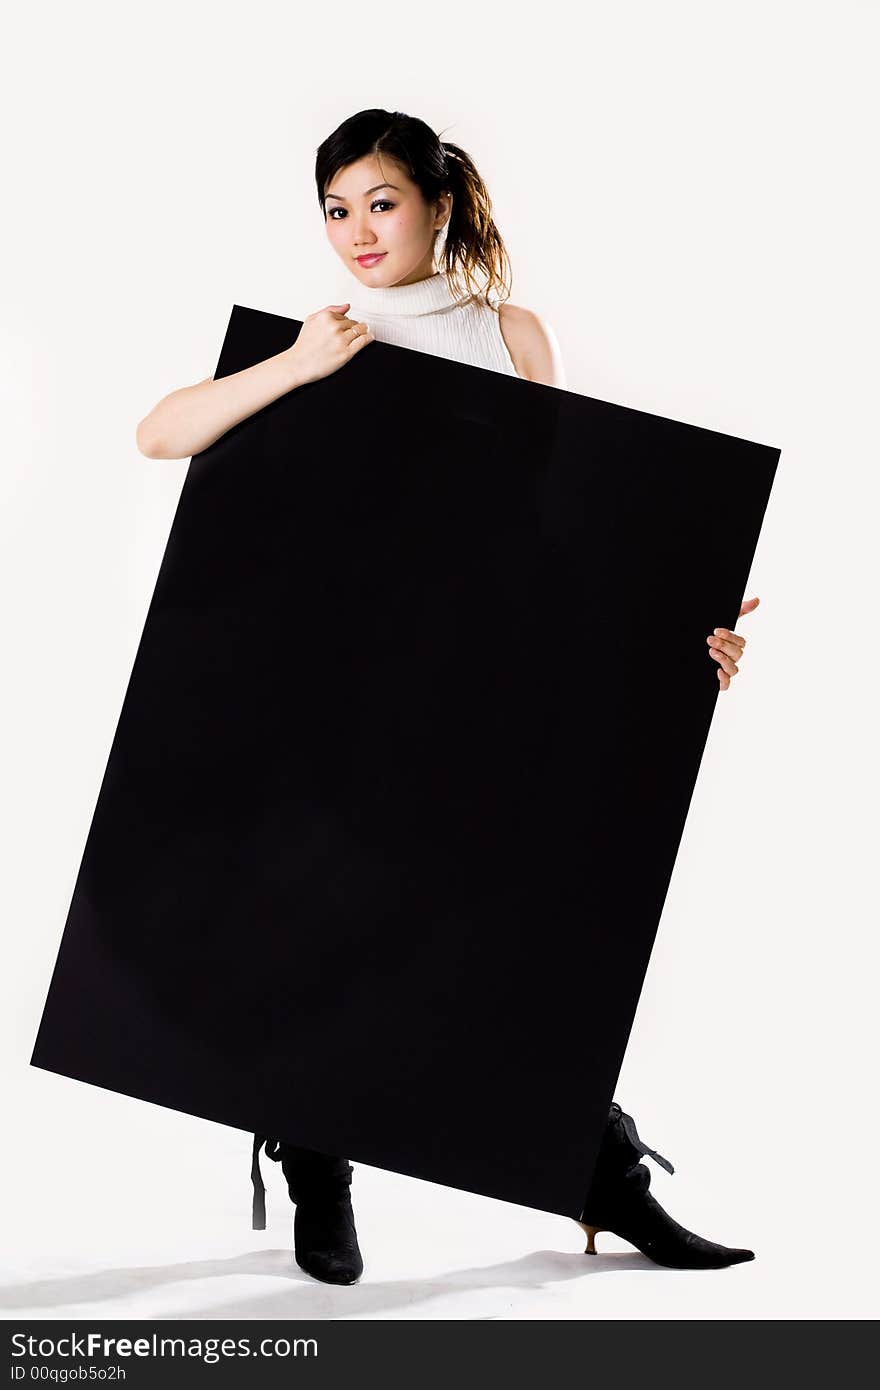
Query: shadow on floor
x=304, y=1297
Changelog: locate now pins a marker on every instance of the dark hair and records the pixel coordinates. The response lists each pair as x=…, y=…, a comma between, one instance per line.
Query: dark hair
x=473, y=242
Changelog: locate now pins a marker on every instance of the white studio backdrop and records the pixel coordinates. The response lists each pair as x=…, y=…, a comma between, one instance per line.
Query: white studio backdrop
x=688, y=195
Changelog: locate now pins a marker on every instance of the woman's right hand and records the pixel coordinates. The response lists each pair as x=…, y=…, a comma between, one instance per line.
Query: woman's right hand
x=327, y=340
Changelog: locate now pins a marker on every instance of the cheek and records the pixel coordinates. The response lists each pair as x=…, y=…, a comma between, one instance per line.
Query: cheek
x=394, y=226
x=401, y=226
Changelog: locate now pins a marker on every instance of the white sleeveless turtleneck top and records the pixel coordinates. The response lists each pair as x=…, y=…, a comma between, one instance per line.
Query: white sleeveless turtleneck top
x=430, y=317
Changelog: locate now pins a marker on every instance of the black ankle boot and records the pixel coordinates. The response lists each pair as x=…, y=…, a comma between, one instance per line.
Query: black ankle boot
x=324, y=1236
x=618, y=1200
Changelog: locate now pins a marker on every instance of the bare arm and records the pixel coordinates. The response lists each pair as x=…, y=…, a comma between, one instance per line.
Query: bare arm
x=193, y=417
x=533, y=345
x=189, y=419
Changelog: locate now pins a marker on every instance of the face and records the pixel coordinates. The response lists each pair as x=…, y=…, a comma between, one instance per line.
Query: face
x=373, y=208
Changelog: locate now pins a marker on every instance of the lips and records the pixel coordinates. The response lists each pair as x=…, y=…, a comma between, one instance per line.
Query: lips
x=372, y=259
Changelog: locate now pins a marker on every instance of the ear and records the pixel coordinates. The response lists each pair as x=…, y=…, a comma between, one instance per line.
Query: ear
x=444, y=211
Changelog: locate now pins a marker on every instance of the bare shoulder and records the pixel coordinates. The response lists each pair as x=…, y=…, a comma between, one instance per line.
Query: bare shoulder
x=532, y=344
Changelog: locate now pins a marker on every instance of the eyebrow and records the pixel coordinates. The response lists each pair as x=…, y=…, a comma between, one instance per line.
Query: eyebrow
x=366, y=194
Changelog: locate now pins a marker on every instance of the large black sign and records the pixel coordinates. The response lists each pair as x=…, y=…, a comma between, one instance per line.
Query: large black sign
x=401, y=774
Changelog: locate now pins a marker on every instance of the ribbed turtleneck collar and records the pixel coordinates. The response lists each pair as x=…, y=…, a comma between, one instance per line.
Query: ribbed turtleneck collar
x=422, y=297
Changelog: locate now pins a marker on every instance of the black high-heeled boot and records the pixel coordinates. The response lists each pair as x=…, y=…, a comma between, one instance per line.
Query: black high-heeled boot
x=618, y=1200
x=324, y=1236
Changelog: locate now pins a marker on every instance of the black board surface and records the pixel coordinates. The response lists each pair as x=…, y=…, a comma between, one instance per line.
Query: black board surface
x=400, y=774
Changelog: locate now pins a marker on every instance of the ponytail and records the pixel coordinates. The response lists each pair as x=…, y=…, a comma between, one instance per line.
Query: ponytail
x=473, y=243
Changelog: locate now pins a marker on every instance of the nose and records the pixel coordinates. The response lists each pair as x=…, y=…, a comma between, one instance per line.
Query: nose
x=364, y=237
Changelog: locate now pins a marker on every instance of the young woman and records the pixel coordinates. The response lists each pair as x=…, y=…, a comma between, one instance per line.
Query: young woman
x=388, y=188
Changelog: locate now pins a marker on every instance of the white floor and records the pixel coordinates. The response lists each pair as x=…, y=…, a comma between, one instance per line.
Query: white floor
x=157, y=1225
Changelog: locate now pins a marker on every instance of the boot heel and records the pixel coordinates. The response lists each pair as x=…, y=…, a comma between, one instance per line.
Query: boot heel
x=591, y=1233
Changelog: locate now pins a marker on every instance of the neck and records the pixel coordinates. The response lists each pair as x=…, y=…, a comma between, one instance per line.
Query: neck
x=432, y=294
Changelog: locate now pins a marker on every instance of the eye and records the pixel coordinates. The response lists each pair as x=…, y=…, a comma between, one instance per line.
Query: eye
x=377, y=202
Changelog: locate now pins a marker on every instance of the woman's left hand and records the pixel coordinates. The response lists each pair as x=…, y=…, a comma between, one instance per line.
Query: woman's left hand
x=726, y=647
